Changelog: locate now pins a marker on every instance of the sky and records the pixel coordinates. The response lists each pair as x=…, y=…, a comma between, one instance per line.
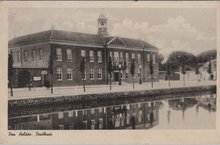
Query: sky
x=187, y=29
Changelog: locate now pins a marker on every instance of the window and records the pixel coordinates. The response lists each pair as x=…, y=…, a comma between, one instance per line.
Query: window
x=93, y=111
x=18, y=56
x=69, y=54
x=83, y=53
x=154, y=59
x=111, y=54
x=132, y=56
x=59, y=54
x=33, y=54
x=70, y=113
x=148, y=58
x=91, y=74
x=91, y=56
x=25, y=55
x=71, y=125
x=69, y=74
x=60, y=115
x=76, y=113
x=41, y=54
x=99, y=56
x=59, y=73
x=100, y=110
x=121, y=56
x=100, y=123
x=61, y=127
x=140, y=116
x=127, y=57
x=116, y=57
x=139, y=57
x=99, y=73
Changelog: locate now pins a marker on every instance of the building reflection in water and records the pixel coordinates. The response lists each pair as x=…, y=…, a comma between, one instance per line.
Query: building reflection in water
x=143, y=115
x=126, y=116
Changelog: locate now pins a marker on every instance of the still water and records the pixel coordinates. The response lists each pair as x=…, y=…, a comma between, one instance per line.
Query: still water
x=175, y=112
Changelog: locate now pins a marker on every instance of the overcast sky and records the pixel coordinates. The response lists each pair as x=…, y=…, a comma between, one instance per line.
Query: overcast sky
x=191, y=30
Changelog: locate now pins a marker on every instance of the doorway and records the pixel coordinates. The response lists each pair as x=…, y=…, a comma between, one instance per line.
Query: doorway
x=23, y=78
x=116, y=76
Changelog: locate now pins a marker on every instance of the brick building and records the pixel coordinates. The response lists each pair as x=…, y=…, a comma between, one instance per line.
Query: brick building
x=31, y=54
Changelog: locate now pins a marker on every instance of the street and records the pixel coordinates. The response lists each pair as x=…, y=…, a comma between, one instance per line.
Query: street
x=22, y=93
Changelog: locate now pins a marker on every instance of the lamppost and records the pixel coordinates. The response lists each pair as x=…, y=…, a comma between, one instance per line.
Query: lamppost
x=140, y=81
x=119, y=67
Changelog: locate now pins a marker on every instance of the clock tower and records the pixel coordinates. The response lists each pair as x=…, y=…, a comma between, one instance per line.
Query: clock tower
x=102, y=26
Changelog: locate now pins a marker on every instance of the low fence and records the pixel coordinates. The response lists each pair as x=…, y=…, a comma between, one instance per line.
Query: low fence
x=111, y=95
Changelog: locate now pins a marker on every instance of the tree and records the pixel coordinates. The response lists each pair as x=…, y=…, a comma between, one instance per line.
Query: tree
x=197, y=72
x=10, y=72
x=206, y=56
x=162, y=64
x=132, y=70
x=110, y=70
x=82, y=70
x=210, y=69
x=168, y=72
x=50, y=67
x=151, y=71
x=183, y=71
x=177, y=58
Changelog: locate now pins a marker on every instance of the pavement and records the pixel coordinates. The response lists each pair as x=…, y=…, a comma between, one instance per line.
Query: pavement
x=24, y=93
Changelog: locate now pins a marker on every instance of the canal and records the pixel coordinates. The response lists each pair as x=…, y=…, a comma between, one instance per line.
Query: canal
x=176, y=111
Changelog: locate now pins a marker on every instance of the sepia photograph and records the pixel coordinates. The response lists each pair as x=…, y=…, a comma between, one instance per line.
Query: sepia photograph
x=111, y=69
x=147, y=71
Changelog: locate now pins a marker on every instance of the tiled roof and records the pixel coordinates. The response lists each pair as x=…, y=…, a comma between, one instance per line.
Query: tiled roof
x=74, y=37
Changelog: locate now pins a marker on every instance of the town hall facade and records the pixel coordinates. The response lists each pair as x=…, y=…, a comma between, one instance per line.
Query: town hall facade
x=31, y=54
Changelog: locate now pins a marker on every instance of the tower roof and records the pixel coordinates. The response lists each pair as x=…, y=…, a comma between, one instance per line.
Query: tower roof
x=102, y=16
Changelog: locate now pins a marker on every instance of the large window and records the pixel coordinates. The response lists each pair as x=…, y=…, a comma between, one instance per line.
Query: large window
x=100, y=73
x=91, y=74
x=83, y=53
x=59, y=73
x=110, y=54
x=121, y=56
x=18, y=56
x=91, y=56
x=25, y=55
x=33, y=54
x=59, y=54
x=60, y=115
x=40, y=53
x=148, y=58
x=69, y=74
x=133, y=56
x=116, y=57
x=127, y=57
x=99, y=56
x=154, y=59
x=69, y=54
x=139, y=57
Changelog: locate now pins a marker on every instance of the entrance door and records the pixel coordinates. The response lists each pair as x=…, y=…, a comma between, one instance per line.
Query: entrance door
x=23, y=78
x=116, y=76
